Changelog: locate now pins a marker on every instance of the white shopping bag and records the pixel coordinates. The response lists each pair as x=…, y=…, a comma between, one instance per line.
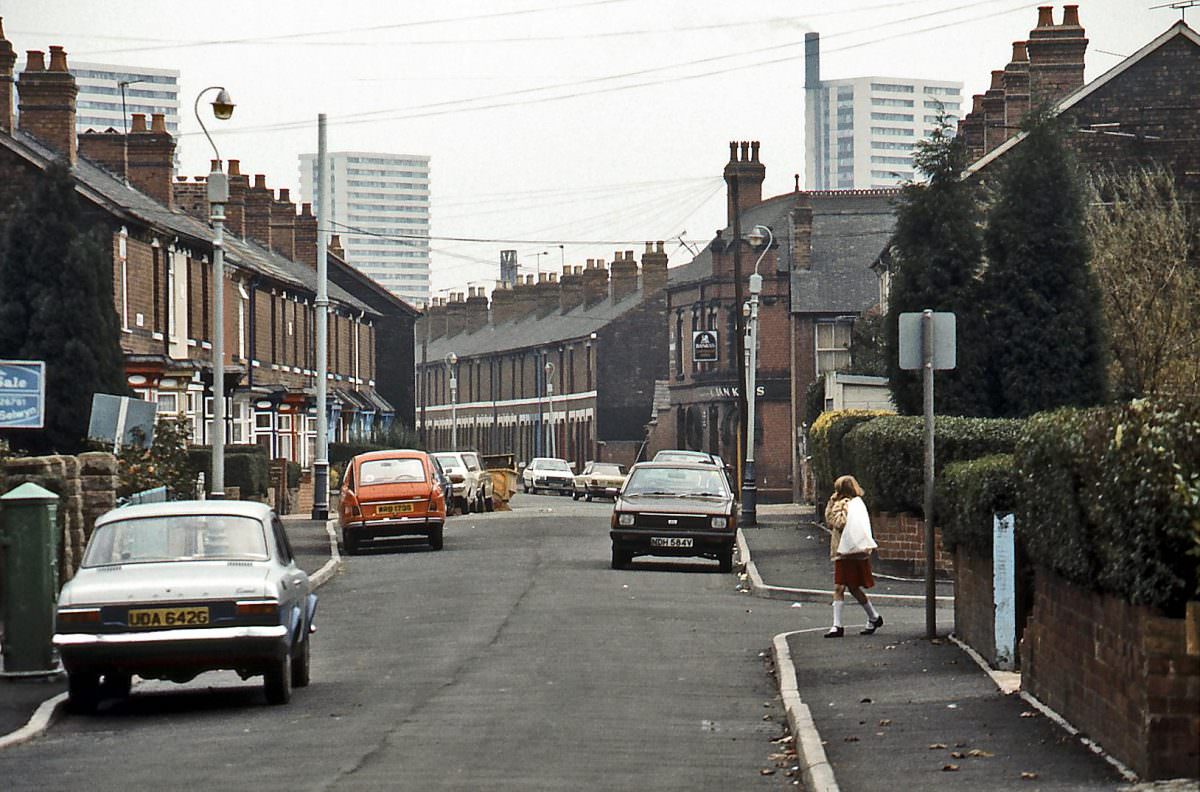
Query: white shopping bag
x=856, y=536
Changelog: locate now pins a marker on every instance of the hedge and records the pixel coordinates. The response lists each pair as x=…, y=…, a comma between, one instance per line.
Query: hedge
x=888, y=453
x=829, y=461
x=1110, y=499
x=968, y=494
x=246, y=467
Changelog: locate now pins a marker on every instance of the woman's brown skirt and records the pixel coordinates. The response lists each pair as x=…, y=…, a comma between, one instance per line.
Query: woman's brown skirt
x=853, y=572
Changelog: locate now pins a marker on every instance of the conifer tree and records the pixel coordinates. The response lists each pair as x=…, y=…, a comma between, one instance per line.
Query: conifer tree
x=1045, y=326
x=936, y=255
x=56, y=305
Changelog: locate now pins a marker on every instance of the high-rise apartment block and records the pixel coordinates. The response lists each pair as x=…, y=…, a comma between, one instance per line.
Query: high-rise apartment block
x=380, y=208
x=860, y=132
x=147, y=91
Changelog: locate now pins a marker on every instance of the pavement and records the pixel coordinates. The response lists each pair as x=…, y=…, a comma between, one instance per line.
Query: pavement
x=871, y=712
x=28, y=705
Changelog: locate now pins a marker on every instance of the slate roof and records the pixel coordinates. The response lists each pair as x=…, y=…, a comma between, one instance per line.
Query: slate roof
x=126, y=202
x=849, y=228
x=530, y=331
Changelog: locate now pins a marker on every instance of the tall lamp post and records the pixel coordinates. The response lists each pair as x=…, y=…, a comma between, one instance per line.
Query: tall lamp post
x=218, y=194
x=451, y=369
x=758, y=235
x=550, y=398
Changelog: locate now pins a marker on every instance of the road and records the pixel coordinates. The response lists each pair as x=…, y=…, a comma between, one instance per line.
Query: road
x=515, y=659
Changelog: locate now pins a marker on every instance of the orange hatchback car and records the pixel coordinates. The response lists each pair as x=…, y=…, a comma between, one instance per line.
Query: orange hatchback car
x=388, y=495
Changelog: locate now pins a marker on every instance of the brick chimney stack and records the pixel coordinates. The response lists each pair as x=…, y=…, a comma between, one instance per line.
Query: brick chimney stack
x=570, y=293
x=106, y=149
x=595, y=282
x=502, y=303
x=547, y=294
x=524, y=299
x=744, y=176
x=191, y=197
x=235, y=207
x=1016, y=89
x=151, y=158
x=654, y=269
x=972, y=129
x=624, y=279
x=47, y=102
x=801, y=218
x=258, y=211
x=8, y=61
x=456, y=315
x=477, y=309
x=993, y=111
x=283, y=224
x=1056, y=56
x=435, y=315
x=306, y=236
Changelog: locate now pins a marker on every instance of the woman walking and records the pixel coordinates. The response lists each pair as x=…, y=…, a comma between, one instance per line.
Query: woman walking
x=850, y=546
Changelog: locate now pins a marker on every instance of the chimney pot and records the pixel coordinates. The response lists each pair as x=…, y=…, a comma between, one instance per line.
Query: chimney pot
x=235, y=167
x=661, y=247
x=733, y=151
x=1045, y=16
x=285, y=194
x=754, y=151
x=260, y=180
x=1070, y=16
x=306, y=209
x=58, y=59
x=649, y=247
x=745, y=151
x=997, y=79
x=213, y=166
x=35, y=60
x=138, y=123
x=158, y=123
x=1020, y=54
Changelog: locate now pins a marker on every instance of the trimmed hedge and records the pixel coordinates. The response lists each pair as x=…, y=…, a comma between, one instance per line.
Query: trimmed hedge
x=246, y=467
x=888, y=453
x=829, y=459
x=968, y=494
x=1110, y=499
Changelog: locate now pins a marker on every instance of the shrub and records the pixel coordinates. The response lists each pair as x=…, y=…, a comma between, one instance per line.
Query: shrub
x=246, y=467
x=164, y=463
x=968, y=494
x=1110, y=499
x=825, y=445
x=889, y=453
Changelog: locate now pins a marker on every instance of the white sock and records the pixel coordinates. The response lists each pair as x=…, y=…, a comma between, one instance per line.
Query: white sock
x=872, y=614
x=837, y=613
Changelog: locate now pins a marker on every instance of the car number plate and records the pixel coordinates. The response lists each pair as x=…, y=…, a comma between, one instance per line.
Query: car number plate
x=394, y=508
x=670, y=541
x=168, y=617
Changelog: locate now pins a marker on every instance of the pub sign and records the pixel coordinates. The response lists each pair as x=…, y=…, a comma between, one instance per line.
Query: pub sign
x=705, y=346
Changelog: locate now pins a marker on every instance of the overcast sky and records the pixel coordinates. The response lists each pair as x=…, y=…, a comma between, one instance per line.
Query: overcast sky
x=591, y=124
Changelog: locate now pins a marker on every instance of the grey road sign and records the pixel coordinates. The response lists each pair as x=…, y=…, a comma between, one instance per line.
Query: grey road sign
x=944, y=344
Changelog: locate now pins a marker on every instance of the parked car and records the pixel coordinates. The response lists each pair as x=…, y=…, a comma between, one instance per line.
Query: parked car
x=472, y=484
x=703, y=457
x=389, y=495
x=674, y=509
x=170, y=590
x=548, y=474
x=599, y=480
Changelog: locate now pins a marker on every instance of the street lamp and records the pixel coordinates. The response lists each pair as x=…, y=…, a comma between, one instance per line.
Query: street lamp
x=550, y=397
x=757, y=236
x=451, y=363
x=218, y=194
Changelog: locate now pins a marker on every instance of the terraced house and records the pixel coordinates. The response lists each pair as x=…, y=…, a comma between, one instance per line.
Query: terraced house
x=161, y=252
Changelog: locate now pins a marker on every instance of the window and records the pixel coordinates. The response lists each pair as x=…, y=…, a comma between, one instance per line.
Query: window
x=886, y=102
x=938, y=90
x=893, y=88
x=833, y=346
x=939, y=105
x=168, y=403
x=891, y=132
x=892, y=161
x=891, y=117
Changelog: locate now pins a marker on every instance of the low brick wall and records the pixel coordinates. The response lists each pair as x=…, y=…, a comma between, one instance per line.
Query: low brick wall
x=974, y=603
x=901, y=539
x=86, y=486
x=1125, y=675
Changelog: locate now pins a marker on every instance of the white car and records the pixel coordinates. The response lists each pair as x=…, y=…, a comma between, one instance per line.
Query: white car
x=170, y=590
x=472, y=484
x=547, y=474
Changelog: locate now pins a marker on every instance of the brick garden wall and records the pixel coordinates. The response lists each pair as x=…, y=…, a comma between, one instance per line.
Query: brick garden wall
x=901, y=539
x=974, y=608
x=1123, y=674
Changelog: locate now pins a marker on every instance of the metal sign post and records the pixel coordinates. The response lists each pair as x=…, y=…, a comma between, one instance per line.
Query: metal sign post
x=927, y=342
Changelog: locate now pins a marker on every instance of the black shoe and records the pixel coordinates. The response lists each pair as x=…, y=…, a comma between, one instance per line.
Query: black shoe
x=874, y=625
x=835, y=632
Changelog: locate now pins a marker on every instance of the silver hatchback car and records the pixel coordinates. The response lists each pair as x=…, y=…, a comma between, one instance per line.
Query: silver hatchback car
x=170, y=590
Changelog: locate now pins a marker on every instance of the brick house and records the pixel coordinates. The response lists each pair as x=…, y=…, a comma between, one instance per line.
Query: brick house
x=816, y=281
x=160, y=254
x=560, y=368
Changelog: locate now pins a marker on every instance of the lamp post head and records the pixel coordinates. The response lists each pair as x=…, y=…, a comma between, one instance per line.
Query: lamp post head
x=451, y=359
x=756, y=282
x=223, y=105
x=758, y=235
